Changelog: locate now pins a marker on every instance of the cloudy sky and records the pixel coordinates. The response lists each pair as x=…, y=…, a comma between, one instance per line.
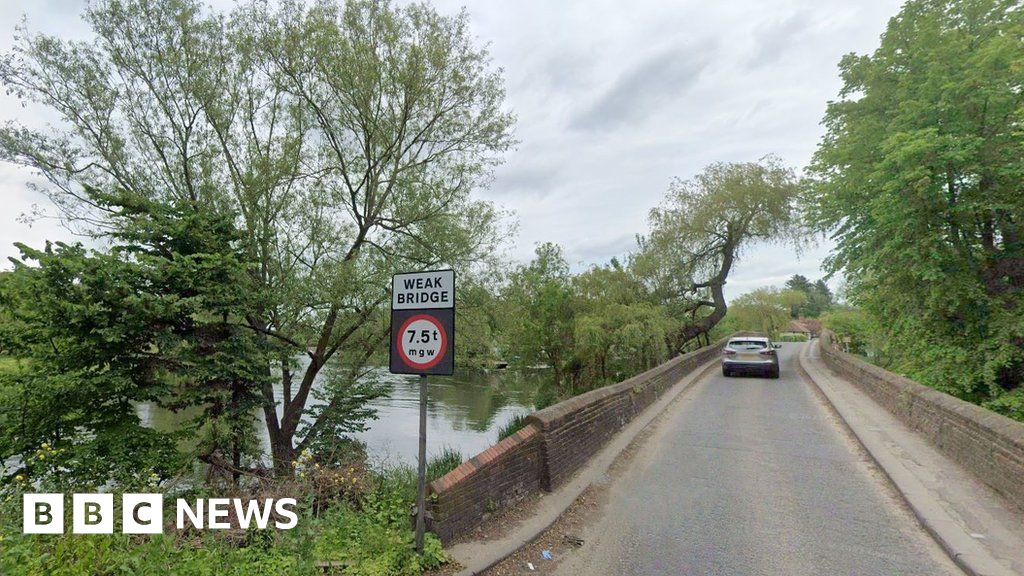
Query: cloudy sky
x=614, y=99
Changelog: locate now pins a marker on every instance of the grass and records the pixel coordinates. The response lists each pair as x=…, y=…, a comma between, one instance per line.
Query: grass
x=512, y=426
x=403, y=478
x=440, y=464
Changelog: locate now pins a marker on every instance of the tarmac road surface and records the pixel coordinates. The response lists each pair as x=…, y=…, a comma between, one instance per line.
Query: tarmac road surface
x=752, y=476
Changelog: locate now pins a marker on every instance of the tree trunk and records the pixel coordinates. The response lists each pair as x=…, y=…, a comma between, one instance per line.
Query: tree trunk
x=716, y=285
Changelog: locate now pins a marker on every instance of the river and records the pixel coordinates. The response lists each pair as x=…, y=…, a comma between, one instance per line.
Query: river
x=464, y=412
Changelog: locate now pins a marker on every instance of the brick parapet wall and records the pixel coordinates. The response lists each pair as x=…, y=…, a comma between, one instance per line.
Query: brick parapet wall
x=494, y=479
x=555, y=443
x=987, y=444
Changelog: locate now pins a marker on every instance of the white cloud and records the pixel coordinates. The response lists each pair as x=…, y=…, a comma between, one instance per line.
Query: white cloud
x=614, y=99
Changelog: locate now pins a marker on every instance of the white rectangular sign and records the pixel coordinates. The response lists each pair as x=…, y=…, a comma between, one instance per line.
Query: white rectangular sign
x=423, y=290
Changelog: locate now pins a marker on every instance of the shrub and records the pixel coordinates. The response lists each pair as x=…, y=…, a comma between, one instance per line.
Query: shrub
x=371, y=537
x=546, y=396
x=512, y=426
x=440, y=464
x=1010, y=404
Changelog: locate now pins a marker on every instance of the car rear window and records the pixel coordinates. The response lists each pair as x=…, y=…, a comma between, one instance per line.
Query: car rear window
x=748, y=344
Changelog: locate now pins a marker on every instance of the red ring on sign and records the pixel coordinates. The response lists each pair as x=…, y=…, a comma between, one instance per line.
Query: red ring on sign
x=440, y=354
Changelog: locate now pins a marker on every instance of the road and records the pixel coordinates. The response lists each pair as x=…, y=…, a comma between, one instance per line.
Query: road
x=750, y=476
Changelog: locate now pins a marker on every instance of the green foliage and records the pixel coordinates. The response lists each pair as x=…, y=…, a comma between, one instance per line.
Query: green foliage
x=376, y=540
x=545, y=396
x=512, y=426
x=154, y=319
x=540, y=317
x=764, y=310
x=791, y=338
x=103, y=555
x=818, y=297
x=865, y=335
x=371, y=536
x=481, y=318
x=592, y=328
x=403, y=479
x=701, y=231
x=1009, y=404
x=440, y=464
x=12, y=365
x=620, y=329
x=342, y=138
x=918, y=180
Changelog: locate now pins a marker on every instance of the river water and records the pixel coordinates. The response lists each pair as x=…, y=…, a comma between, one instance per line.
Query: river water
x=464, y=412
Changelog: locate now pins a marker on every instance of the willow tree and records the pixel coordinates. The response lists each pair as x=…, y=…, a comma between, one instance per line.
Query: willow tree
x=765, y=310
x=918, y=180
x=345, y=139
x=700, y=232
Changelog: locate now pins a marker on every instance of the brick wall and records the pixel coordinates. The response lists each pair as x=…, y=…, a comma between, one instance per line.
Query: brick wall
x=555, y=443
x=497, y=477
x=989, y=445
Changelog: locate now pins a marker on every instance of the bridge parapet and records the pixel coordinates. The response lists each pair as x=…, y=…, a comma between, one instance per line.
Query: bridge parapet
x=555, y=443
x=989, y=445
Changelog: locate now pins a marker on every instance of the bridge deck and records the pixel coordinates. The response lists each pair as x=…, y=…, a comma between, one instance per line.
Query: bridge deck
x=754, y=476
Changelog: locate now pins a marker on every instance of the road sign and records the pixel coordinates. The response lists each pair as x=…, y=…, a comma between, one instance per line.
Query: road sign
x=423, y=323
x=423, y=290
x=423, y=342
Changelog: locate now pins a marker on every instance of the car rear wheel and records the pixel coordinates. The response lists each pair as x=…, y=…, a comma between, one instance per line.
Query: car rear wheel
x=726, y=372
x=773, y=373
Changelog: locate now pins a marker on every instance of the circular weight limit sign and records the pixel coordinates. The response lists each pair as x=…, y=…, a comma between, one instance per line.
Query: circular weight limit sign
x=421, y=341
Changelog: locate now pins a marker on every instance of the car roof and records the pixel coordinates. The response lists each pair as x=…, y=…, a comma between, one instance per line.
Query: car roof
x=740, y=338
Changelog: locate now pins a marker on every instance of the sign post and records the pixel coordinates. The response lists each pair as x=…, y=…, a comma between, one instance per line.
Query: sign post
x=422, y=342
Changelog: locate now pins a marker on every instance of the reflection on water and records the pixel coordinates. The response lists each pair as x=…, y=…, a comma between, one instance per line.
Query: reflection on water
x=463, y=412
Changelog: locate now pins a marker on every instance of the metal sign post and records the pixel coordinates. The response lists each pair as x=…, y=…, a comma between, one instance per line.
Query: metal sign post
x=422, y=342
x=421, y=490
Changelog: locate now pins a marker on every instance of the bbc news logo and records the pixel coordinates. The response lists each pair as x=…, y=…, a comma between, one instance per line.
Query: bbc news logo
x=144, y=513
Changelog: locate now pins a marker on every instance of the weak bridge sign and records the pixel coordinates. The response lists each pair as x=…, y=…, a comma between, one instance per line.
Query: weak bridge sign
x=423, y=323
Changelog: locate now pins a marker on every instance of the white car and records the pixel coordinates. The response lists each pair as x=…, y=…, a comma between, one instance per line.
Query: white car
x=750, y=354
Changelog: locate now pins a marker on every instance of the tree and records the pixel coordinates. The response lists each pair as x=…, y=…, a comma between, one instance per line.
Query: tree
x=765, y=310
x=799, y=282
x=818, y=297
x=918, y=180
x=154, y=319
x=700, y=232
x=541, y=314
x=345, y=140
x=619, y=330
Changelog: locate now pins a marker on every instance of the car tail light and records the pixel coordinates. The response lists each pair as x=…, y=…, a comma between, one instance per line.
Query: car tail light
x=729, y=352
x=768, y=352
